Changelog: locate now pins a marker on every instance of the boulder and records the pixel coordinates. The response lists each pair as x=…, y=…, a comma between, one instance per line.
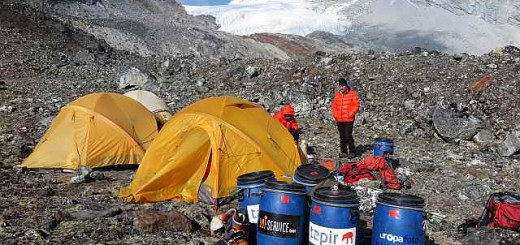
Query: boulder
x=451, y=124
x=511, y=145
x=134, y=78
x=154, y=221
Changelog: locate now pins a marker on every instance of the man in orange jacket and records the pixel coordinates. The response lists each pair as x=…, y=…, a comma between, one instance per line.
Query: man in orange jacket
x=345, y=106
x=384, y=172
x=286, y=117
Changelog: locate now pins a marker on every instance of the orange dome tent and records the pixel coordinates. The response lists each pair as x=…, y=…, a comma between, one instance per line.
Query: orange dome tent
x=211, y=143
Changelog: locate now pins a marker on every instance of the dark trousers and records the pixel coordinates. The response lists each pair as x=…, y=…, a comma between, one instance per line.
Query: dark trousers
x=345, y=137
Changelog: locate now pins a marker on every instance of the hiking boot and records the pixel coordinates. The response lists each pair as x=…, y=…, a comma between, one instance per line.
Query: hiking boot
x=343, y=155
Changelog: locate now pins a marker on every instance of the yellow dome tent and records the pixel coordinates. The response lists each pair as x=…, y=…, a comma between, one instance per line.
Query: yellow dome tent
x=212, y=142
x=96, y=130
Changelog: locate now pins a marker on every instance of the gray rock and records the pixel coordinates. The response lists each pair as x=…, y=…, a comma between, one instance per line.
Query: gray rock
x=84, y=171
x=484, y=137
x=252, y=71
x=511, y=145
x=92, y=214
x=132, y=78
x=79, y=179
x=492, y=66
x=410, y=104
x=451, y=124
x=97, y=175
x=406, y=127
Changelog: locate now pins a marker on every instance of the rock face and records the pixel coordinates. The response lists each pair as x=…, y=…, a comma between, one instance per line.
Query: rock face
x=154, y=27
x=452, y=125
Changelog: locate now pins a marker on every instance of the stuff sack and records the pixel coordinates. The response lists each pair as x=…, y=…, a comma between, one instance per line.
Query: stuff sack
x=502, y=211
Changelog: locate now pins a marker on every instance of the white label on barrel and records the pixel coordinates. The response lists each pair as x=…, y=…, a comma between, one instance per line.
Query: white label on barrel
x=319, y=235
x=252, y=213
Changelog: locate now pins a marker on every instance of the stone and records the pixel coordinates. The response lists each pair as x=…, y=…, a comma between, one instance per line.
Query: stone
x=481, y=84
x=151, y=221
x=79, y=179
x=410, y=104
x=6, y=109
x=516, y=69
x=451, y=124
x=97, y=175
x=406, y=127
x=492, y=66
x=132, y=78
x=252, y=71
x=511, y=145
x=84, y=170
x=93, y=214
x=485, y=137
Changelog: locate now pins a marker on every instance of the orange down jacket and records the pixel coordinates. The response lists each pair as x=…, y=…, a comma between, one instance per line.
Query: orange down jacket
x=345, y=106
x=386, y=173
x=287, y=110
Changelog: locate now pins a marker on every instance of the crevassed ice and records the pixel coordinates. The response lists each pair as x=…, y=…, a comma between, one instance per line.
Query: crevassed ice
x=300, y=17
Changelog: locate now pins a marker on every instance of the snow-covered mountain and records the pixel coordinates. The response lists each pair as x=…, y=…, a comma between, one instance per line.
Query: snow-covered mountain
x=473, y=26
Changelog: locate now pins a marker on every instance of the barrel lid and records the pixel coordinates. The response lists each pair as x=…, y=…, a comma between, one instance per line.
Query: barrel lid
x=312, y=172
x=285, y=186
x=401, y=200
x=384, y=140
x=339, y=196
x=255, y=176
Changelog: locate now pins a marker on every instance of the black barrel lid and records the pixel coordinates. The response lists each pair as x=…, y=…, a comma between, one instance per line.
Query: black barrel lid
x=312, y=172
x=341, y=195
x=255, y=177
x=285, y=186
x=401, y=200
x=384, y=140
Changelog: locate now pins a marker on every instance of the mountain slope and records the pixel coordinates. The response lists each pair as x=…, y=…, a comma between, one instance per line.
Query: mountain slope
x=473, y=26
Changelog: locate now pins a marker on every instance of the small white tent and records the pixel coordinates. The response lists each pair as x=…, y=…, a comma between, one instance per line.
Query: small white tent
x=153, y=103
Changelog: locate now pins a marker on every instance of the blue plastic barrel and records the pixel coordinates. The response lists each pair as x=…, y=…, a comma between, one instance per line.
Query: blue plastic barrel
x=381, y=145
x=334, y=216
x=282, y=217
x=310, y=175
x=398, y=219
x=250, y=192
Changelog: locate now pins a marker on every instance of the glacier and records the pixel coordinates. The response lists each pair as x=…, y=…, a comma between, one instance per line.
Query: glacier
x=453, y=26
